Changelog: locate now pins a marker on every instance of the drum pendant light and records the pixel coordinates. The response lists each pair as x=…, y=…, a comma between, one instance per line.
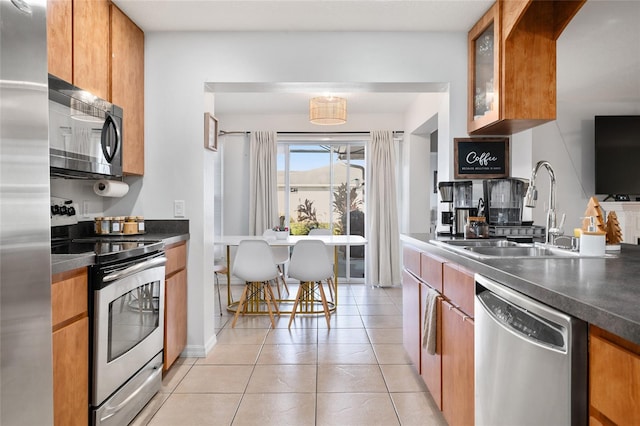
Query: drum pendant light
x=328, y=110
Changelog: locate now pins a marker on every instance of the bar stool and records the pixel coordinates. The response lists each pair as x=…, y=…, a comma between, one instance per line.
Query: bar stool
x=281, y=257
x=311, y=265
x=254, y=265
x=330, y=251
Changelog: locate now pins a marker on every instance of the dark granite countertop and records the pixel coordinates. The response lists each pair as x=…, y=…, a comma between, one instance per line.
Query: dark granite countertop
x=167, y=231
x=602, y=292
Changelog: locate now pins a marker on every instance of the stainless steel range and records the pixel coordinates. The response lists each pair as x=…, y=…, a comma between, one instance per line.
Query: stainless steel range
x=126, y=304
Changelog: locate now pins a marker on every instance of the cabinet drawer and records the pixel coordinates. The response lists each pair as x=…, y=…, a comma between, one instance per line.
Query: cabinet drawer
x=614, y=377
x=69, y=295
x=176, y=258
x=431, y=268
x=459, y=287
x=411, y=259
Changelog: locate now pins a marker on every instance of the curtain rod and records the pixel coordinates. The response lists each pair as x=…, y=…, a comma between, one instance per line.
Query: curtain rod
x=246, y=132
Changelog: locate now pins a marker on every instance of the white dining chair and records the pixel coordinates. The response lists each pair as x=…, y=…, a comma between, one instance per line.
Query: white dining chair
x=281, y=257
x=330, y=251
x=311, y=266
x=254, y=264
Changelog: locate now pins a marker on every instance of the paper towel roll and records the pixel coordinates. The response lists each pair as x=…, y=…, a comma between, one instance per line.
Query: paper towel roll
x=110, y=188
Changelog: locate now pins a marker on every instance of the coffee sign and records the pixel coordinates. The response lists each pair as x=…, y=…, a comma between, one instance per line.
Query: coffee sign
x=480, y=158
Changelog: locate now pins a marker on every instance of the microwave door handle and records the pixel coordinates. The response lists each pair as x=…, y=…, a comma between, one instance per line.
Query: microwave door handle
x=104, y=141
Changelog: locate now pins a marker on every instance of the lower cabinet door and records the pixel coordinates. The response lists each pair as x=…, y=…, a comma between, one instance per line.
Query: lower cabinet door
x=457, y=366
x=175, y=320
x=431, y=364
x=411, y=318
x=71, y=374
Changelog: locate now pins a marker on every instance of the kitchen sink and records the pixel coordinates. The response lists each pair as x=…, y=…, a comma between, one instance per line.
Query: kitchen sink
x=521, y=251
x=480, y=243
x=501, y=248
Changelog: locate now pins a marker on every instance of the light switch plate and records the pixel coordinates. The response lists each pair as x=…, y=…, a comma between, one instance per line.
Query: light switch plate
x=178, y=208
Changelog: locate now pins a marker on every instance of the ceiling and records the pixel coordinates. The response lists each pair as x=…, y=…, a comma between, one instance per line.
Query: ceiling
x=304, y=15
x=601, y=21
x=308, y=15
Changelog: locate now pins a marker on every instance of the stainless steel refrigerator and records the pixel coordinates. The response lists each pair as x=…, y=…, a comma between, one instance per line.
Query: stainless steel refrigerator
x=26, y=378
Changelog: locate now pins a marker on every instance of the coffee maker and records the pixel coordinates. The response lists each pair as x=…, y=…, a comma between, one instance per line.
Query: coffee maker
x=504, y=199
x=462, y=205
x=446, y=196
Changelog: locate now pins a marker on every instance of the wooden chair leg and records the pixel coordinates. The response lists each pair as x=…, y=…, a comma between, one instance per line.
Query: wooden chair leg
x=267, y=298
x=284, y=282
x=325, y=305
x=330, y=283
x=241, y=305
x=295, y=304
x=273, y=297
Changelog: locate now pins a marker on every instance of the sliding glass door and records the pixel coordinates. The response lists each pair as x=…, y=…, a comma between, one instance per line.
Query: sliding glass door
x=321, y=185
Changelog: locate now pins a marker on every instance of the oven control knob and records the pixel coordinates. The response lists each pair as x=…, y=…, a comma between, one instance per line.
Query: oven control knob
x=71, y=211
x=55, y=209
x=63, y=210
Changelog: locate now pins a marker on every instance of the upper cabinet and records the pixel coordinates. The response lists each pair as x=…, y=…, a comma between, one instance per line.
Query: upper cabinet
x=95, y=46
x=59, y=38
x=127, y=87
x=91, y=46
x=78, y=43
x=512, y=65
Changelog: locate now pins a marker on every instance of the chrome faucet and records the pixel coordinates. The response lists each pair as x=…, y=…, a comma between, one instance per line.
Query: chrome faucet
x=553, y=230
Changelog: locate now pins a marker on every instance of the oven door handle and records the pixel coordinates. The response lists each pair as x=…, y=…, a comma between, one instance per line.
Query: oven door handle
x=112, y=411
x=138, y=267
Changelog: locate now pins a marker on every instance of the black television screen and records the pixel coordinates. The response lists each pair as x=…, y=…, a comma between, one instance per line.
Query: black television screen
x=617, y=154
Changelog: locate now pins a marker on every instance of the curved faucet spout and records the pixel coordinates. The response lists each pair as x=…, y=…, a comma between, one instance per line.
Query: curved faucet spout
x=532, y=196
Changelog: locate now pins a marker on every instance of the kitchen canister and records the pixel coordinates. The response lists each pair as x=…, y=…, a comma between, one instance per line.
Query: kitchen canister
x=130, y=225
x=102, y=225
x=592, y=243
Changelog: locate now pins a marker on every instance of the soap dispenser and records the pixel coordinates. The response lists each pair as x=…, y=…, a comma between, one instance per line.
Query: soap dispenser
x=592, y=241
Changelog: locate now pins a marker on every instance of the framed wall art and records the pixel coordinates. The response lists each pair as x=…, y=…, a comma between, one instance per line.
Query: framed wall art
x=210, y=132
x=480, y=158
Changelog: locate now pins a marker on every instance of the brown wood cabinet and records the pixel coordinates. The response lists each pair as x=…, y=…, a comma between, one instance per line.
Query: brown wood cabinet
x=411, y=317
x=457, y=366
x=431, y=364
x=512, y=65
x=422, y=271
x=175, y=294
x=614, y=375
x=95, y=46
x=457, y=345
x=59, y=38
x=91, y=46
x=127, y=87
x=69, y=312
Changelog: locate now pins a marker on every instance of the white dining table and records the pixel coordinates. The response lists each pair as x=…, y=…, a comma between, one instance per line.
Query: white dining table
x=291, y=240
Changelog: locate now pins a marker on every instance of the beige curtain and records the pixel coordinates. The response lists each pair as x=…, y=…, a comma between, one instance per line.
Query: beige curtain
x=384, y=233
x=263, y=197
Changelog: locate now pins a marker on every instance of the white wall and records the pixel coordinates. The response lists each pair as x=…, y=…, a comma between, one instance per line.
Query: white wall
x=178, y=64
x=598, y=72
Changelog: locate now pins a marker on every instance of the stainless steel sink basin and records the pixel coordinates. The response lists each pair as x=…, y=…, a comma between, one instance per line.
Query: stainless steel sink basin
x=479, y=243
x=521, y=251
x=494, y=249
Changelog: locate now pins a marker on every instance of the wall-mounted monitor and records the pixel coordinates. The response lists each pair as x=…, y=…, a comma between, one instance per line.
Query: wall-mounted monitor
x=617, y=154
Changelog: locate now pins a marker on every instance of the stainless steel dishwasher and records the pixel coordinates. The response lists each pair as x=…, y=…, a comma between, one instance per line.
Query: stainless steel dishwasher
x=530, y=361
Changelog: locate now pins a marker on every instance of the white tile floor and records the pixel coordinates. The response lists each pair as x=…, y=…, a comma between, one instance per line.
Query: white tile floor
x=355, y=373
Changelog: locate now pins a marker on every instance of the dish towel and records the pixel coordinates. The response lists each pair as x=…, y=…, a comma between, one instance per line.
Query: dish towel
x=429, y=326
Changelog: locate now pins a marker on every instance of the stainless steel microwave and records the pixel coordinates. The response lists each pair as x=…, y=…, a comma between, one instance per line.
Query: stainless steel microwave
x=85, y=133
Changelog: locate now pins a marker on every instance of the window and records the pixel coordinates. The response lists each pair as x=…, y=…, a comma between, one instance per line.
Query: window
x=322, y=185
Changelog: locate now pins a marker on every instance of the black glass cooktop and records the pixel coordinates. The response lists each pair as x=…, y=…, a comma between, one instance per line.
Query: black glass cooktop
x=106, y=250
